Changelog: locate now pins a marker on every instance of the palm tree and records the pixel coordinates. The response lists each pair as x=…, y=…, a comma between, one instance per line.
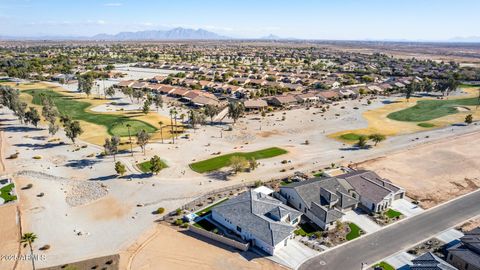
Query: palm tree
x=175, y=114
x=376, y=138
x=130, y=138
x=171, y=124
x=29, y=238
x=161, y=130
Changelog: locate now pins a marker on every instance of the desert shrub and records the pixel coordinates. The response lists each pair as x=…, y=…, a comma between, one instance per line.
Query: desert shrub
x=179, y=222
x=37, y=157
x=45, y=247
x=160, y=210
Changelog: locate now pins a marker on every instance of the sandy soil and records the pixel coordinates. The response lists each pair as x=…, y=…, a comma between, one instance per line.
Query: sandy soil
x=166, y=248
x=434, y=172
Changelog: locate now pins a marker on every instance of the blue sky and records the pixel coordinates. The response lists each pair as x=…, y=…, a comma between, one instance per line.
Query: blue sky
x=310, y=19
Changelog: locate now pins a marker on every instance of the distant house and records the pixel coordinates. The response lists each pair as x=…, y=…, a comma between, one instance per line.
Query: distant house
x=429, y=261
x=375, y=193
x=260, y=219
x=255, y=104
x=166, y=89
x=466, y=254
x=322, y=200
x=329, y=95
x=125, y=84
x=202, y=100
x=139, y=85
x=283, y=101
x=307, y=98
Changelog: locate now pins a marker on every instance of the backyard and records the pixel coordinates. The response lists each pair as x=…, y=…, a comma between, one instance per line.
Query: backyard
x=219, y=162
x=426, y=110
x=67, y=105
x=206, y=211
x=383, y=266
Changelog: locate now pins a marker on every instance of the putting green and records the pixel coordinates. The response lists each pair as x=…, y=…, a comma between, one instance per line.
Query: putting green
x=426, y=110
x=219, y=162
x=115, y=124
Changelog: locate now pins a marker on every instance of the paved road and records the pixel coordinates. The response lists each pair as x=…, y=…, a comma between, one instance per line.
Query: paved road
x=400, y=236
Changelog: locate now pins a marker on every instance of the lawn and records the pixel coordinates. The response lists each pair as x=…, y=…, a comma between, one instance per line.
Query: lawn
x=426, y=110
x=350, y=137
x=355, y=231
x=206, y=211
x=305, y=230
x=5, y=193
x=392, y=213
x=425, y=125
x=145, y=166
x=205, y=224
x=384, y=266
x=115, y=124
x=219, y=162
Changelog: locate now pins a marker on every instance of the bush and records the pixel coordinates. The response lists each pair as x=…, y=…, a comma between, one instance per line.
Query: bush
x=37, y=157
x=179, y=222
x=45, y=247
x=178, y=211
x=13, y=156
x=185, y=225
x=160, y=210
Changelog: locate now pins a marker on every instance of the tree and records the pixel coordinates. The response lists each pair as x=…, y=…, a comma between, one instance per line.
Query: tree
x=235, y=110
x=252, y=164
x=362, y=141
x=211, y=111
x=173, y=113
x=238, y=163
x=469, y=119
x=142, y=139
x=158, y=101
x=50, y=113
x=29, y=238
x=111, y=146
x=130, y=138
x=411, y=89
x=156, y=164
x=376, y=138
x=72, y=128
x=161, y=130
x=138, y=94
x=32, y=116
x=110, y=91
x=120, y=168
x=85, y=84
x=128, y=91
x=192, y=115
x=146, y=106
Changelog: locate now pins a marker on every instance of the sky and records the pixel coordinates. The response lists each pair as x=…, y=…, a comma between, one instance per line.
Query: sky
x=432, y=20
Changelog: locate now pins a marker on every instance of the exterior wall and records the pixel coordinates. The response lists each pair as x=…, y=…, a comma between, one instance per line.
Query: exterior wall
x=294, y=199
x=459, y=263
x=219, y=238
x=244, y=234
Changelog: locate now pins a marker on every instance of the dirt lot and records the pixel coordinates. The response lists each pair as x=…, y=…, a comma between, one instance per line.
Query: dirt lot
x=165, y=248
x=435, y=172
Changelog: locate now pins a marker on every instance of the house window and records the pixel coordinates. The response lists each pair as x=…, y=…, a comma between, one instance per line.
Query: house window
x=466, y=266
x=239, y=229
x=450, y=257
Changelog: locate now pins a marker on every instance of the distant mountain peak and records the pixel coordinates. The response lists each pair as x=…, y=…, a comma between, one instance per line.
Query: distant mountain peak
x=178, y=33
x=271, y=37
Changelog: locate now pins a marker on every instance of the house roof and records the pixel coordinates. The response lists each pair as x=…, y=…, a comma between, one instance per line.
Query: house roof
x=287, y=99
x=255, y=103
x=260, y=215
x=369, y=185
x=429, y=261
x=320, y=194
x=468, y=249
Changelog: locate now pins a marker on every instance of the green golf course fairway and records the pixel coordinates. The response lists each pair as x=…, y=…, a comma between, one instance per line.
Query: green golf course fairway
x=219, y=162
x=115, y=124
x=426, y=110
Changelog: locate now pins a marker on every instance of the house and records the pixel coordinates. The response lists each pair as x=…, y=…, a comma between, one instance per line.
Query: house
x=322, y=200
x=263, y=220
x=307, y=98
x=255, y=104
x=125, y=84
x=203, y=100
x=139, y=85
x=466, y=254
x=328, y=95
x=283, y=101
x=429, y=261
x=375, y=194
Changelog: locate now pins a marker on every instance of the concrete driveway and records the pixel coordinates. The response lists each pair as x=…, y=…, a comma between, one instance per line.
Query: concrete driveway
x=407, y=208
x=362, y=220
x=293, y=254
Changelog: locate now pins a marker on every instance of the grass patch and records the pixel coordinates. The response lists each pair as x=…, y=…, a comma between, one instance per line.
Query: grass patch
x=305, y=230
x=463, y=85
x=5, y=193
x=392, y=213
x=426, y=110
x=205, y=224
x=384, y=266
x=355, y=231
x=426, y=125
x=219, y=162
x=145, y=166
x=350, y=137
x=115, y=124
x=207, y=210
